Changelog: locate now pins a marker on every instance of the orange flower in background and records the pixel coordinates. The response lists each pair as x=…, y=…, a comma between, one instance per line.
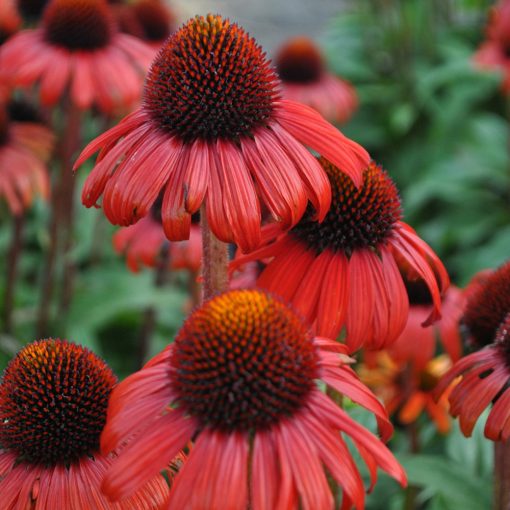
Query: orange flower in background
x=485, y=373
x=345, y=271
x=213, y=129
x=144, y=243
x=53, y=400
x=407, y=391
x=494, y=53
x=417, y=344
x=78, y=51
x=24, y=147
x=302, y=70
x=240, y=380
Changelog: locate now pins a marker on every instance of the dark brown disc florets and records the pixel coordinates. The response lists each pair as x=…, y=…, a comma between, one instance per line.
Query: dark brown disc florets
x=154, y=18
x=53, y=400
x=358, y=218
x=299, y=61
x=78, y=24
x=210, y=80
x=243, y=361
x=487, y=307
x=31, y=10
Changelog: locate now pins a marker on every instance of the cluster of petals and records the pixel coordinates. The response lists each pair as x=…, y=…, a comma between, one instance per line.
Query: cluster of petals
x=417, y=344
x=144, y=243
x=23, y=173
x=78, y=486
x=484, y=380
x=334, y=98
x=108, y=77
x=408, y=391
x=485, y=374
x=280, y=467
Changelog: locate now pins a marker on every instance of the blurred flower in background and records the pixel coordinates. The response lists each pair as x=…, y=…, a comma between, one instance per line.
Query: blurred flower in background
x=78, y=51
x=304, y=78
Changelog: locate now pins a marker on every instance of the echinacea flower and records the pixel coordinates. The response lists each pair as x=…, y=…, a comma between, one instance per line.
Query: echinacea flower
x=494, y=53
x=302, y=70
x=487, y=304
x=485, y=379
x=240, y=381
x=212, y=128
x=417, y=344
x=406, y=390
x=345, y=271
x=486, y=372
x=150, y=20
x=24, y=148
x=53, y=400
x=144, y=243
x=78, y=51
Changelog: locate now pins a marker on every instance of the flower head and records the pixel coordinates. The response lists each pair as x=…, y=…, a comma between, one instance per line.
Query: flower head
x=240, y=380
x=53, y=401
x=485, y=379
x=78, y=50
x=487, y=305
x=304, y=77
x=213, y=129
x=24, y=147
x=486, y=372
x=346, y=270
x=150, y=20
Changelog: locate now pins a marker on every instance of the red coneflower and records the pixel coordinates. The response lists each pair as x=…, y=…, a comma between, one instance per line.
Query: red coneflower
x=24, y=147
x=407, y=391
x=78, y=51
x=212, y=128
x=304, y=77
x=417, y=344
x=344, y=272
x=494, y=53
x=144, y=243
x=485, y=373
x=240, y=380
x=150, y=20
x=53, y=400
x=487, y=305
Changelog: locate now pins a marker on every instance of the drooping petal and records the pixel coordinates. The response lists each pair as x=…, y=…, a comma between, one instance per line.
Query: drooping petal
x=310, y=128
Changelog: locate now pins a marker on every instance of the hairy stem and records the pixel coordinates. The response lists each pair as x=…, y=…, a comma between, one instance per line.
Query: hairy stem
x=215, y=260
